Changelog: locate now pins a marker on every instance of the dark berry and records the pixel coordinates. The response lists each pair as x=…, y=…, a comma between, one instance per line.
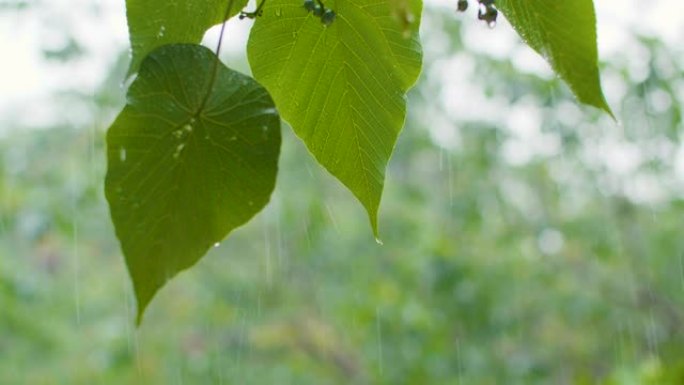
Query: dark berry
x=309, y=5
x=462, y=5
x=328, y=17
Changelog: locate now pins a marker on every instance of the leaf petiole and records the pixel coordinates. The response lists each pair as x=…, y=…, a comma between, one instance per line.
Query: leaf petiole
x=214, y=70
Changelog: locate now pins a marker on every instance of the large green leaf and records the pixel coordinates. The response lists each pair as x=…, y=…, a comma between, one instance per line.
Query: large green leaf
x=182, y=173
x=153, y=23
x=342, y=87
x=564, y=33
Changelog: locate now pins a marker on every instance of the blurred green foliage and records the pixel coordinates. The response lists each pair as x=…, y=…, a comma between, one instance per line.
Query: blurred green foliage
x=554, y=269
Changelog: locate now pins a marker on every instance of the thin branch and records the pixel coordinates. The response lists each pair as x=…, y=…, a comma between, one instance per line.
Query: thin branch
x=257, y=12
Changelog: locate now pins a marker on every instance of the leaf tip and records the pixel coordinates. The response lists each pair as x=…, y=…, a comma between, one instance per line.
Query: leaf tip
x=373, y=218
x=606, y=108
x=603, y=105
x=139, y=317
x=141, y=304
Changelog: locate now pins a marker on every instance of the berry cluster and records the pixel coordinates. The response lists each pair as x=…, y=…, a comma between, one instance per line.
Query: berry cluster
x=259, y=11
x=487, y=11
x=317, y=7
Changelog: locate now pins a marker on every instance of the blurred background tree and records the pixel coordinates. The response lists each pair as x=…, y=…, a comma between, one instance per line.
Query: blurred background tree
x=527, y=240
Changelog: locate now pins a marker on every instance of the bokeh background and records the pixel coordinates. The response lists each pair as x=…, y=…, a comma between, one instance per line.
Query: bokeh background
x=527, y=239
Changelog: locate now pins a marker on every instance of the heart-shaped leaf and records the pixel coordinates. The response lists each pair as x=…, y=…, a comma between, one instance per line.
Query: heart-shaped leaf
x=154, y=23
x=564, y=33
x=187, y=165
x=341, y=81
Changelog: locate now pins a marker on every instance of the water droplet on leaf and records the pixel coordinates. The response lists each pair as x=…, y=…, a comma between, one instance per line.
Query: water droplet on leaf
x=179, y=150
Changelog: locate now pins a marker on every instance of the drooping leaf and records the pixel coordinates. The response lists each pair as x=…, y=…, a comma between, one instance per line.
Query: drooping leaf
x=564, y=33
x=182, y=173
x=153, y=23
x=342, y=86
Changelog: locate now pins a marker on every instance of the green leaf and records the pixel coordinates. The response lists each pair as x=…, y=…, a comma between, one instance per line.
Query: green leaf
x=342, y=87
x=185, y=167
x=564, y=33
x=154, y=23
